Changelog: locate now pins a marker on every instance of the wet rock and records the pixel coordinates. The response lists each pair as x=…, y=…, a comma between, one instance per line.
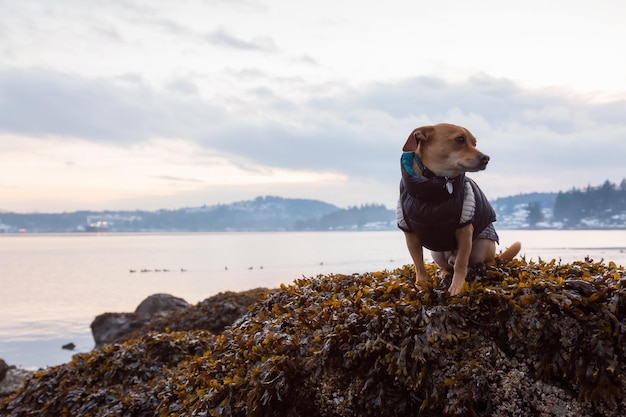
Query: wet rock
x=516, y=343
x=69, y=346
x=214, y=314
x=12, y=381
x=3, y=369
x=109, y=327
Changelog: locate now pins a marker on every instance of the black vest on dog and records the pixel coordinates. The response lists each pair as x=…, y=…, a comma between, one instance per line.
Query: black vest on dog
x=434, y=214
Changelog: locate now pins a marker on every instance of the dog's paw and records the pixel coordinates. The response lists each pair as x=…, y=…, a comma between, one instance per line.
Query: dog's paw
x=421, y=285
x=457, y=287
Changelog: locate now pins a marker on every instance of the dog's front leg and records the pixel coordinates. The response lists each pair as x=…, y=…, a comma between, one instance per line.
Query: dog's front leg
x=417, y=254
x=464, y=240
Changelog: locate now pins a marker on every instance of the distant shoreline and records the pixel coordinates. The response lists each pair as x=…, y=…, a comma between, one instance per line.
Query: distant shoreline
x=390, y=229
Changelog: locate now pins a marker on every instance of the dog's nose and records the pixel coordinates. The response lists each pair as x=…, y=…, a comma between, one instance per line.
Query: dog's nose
x=484, y=159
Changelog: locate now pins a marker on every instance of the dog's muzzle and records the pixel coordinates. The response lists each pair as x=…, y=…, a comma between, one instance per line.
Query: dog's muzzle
x=483, y=160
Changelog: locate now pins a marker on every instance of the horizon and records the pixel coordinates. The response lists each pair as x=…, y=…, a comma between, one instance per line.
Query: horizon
x=615, y=183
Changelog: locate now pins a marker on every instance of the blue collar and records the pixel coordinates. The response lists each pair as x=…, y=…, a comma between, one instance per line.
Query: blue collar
x=407, y=162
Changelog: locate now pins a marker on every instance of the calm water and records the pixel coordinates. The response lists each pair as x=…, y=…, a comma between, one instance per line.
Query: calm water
x=52, y=286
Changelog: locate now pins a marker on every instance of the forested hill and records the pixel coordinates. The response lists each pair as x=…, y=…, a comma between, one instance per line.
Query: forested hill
x=593, y=207
x=261, y=214
x=605, y=204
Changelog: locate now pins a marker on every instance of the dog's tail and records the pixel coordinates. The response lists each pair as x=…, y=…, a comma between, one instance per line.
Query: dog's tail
x=510, y=252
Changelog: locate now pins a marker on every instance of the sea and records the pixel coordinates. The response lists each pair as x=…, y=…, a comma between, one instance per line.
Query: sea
x=52, y=286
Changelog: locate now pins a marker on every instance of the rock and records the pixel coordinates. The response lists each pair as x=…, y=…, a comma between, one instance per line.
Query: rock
x=69, y=346
x=3, y=369
x=212, y=314
x=12, y=380
x=518, y=342
x=160, y=304
x=110, y=327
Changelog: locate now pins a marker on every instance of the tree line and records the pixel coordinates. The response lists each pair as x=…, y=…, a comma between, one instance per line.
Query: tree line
x=602, y=202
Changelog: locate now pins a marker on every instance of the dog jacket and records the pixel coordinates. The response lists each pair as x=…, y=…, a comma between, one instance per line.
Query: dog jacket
x=434, y=213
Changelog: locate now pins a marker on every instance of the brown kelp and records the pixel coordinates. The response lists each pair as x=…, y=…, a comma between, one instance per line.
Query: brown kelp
x=527, y=338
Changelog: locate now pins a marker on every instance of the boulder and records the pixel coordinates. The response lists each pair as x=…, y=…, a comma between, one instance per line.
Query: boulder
x=3, y=369
x=11, y=379
x=69, y=346
x=109, y=327
x=160, y=304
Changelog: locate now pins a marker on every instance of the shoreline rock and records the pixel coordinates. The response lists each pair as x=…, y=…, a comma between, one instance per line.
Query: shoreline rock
x=11, y=379
x=542, y=339
x=108, y=327
x=3, y=369
x=164, y=312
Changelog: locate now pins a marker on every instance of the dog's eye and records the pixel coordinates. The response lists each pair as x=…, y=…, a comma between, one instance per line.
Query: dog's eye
x=460, y=140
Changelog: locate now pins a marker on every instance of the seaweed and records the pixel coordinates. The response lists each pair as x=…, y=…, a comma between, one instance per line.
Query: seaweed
x=524, y=338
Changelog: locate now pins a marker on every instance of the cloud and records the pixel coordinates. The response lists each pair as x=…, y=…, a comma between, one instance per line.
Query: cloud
x=184, y=87
x=171, y=178
x=45, y=103
x=552, y=136
x=223, y=38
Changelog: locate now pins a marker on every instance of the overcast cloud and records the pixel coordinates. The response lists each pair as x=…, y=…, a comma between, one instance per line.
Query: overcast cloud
x=299, y=119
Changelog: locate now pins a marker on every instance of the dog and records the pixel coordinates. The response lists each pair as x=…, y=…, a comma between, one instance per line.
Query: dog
x=443, y=210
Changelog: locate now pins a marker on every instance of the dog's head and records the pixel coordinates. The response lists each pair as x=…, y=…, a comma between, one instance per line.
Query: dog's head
x=446, y=149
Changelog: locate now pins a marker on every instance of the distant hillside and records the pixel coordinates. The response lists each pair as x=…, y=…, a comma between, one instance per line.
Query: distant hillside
x=370, y=217
x=594, y=207
x=601, y=207
x=513, y=212
x=261, y=214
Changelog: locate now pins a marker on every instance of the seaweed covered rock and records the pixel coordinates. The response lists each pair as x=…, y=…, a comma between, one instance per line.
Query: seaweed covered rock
x=212, y=314
x=113, y=380
x=163, y=311
x=542, y=339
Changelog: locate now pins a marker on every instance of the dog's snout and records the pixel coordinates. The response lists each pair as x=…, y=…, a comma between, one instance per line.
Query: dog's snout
x=484, y=159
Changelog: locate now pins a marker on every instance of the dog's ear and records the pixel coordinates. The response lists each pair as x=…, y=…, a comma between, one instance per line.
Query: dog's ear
x=421, y=133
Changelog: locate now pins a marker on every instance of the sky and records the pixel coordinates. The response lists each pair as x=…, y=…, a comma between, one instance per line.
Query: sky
x=130, y=104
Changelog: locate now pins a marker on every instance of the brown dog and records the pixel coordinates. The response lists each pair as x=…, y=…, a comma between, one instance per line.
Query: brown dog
x=443, y=210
